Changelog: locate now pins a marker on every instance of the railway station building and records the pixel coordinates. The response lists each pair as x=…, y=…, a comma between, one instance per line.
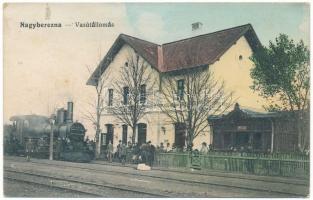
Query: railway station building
x=227, y=54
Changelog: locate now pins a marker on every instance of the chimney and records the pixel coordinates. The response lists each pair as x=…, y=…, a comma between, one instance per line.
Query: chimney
x=69, y=113
x=196, y=26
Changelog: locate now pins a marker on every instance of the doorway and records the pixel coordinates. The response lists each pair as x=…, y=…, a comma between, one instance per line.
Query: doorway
x=142, y=133
x=124, y=134
x=110, y=133
x=242, y=139
x=180, y=135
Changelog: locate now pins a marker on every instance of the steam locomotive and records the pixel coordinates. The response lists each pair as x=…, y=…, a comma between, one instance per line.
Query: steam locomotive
x=68, y=136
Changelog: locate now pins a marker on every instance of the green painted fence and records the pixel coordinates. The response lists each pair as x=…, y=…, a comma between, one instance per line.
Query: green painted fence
x=171, y=160
x=290, y=156
x=270, y=165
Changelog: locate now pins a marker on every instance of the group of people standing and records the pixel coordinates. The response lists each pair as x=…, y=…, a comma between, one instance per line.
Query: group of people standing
x=144, y=153
x=121, y=152
x=147, y=151
x=168, y=148
x=134, y=153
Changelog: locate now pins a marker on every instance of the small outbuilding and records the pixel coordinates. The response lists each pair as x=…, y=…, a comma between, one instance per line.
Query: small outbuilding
x=253, y=131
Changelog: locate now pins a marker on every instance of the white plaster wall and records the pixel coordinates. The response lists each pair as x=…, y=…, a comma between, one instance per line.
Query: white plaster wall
x=235, y=73
x=113, y=74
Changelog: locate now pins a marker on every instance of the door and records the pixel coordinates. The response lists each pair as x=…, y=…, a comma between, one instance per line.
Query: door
x=110, y=133
x=124, y=135
x=180, y=135
x=227, y=141
x=242, y=139
x=142, y=133
x=257, y=141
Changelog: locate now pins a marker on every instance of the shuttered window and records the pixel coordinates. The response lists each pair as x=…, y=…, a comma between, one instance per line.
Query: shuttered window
x=143, y=94
x=110, y=101
x=180, y=89
x=125, y=95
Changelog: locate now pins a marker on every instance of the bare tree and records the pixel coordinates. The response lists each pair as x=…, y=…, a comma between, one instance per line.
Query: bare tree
x=190, y=96
x=133, y=87
x=96, y=107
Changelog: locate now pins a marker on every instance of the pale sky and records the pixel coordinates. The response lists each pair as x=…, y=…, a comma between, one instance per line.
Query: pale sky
x=45, y=67
x=173, y=20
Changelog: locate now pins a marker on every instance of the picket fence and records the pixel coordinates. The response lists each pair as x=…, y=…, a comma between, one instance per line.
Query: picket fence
x=292, y=165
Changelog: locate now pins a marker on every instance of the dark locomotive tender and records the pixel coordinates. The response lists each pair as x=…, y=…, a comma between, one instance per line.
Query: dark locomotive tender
x=69, y=136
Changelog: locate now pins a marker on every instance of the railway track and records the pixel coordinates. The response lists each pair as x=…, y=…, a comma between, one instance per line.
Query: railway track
x=84, y=187
x=224, y=175
x=231, y=183
x=300, y=182
x=49, y=185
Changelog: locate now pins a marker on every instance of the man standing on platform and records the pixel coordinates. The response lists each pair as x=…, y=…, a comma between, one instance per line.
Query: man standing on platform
x=123, y=153
x=119, y=150
x=151, y=152
x=29, y=149
x=110, y=151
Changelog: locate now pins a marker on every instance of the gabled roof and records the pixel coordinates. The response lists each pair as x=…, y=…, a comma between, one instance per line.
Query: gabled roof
x=147, y=50
x=205, y=49
x=182, y=54
x=239, y=113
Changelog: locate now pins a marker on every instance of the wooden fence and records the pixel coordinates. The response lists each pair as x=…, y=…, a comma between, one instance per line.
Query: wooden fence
x=270, y=165
x=288, y=156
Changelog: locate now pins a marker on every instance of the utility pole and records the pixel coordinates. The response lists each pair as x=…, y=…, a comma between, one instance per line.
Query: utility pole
x=52, y=118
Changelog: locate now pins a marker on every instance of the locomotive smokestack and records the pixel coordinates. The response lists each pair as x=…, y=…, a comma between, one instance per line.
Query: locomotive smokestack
x=60, y=116
x=69, y=113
